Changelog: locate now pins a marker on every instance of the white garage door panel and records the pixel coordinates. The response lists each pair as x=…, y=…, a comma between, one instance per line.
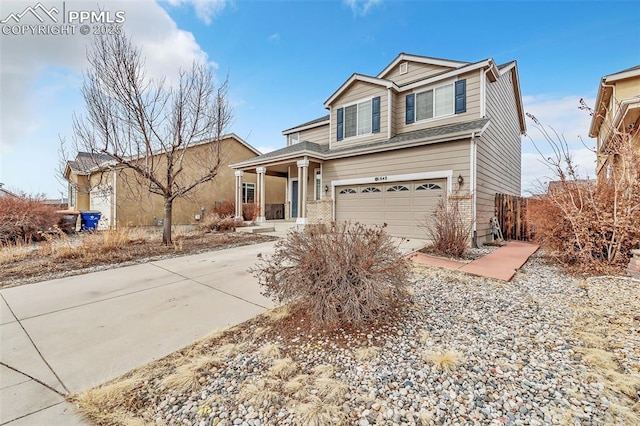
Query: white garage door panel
x=403, y=211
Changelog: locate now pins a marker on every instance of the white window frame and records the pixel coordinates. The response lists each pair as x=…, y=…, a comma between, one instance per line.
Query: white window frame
x=291, y=140
x=404, y=68
x=317, y=187
x=245, y=187
x=433, y=90
x=344, y=118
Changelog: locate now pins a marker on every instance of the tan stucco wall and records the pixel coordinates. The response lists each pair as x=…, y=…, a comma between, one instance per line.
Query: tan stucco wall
x=81, y=185
x=136, y=206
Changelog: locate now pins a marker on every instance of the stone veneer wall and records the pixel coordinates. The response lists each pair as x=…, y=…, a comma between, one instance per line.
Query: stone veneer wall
x=320, y=211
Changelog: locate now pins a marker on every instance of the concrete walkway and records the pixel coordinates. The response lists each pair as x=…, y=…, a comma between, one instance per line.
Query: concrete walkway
x=501, y=264
x=67, y=335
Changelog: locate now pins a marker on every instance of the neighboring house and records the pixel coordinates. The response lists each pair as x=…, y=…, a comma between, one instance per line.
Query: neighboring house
x=99, y=183
x=617, y=111
x=394, y=144
x=5, y=192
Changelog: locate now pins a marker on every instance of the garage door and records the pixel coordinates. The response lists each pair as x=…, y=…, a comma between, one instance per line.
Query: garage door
x=403, y=206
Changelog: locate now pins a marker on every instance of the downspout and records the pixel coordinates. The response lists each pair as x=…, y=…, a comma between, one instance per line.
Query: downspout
x=472, y=188
x=389, y=113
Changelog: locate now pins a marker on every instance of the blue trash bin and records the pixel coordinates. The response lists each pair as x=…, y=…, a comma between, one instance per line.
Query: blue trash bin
x=89, y=220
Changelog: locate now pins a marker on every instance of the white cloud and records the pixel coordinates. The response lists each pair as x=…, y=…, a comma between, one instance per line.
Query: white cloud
x=206, y=10
x=361, y=7
x=25, y=59
x=275, y=37
x=562, y=115
x=41, y=78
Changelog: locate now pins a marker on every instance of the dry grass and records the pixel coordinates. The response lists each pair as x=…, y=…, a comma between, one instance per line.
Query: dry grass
x=330, y=390
x=14, y=252
x=315, y=412
x=260, y=392
x=296, y=387
x=110, y=404
x=324, y=370
x=270, y=351
x=283, y=368
x=279, y=313
x=367, y=354
x=444, y=360
x=186, y=377
x=230, y=349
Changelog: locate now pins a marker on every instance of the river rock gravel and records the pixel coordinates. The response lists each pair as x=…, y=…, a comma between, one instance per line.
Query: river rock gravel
x=468, y=351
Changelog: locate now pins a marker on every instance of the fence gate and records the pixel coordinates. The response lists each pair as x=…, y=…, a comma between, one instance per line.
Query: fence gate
x=512, y=212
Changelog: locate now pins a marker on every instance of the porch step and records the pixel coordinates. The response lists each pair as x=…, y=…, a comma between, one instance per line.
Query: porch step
x=283, y=226
x=256, y=229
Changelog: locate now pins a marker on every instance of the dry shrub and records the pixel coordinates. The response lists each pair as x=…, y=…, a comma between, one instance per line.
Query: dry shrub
x=341, y=273
x=215, y=222
x=449, y=228
x=25, y=218
x=225, y=208
x=587, y=225
x=249, y=211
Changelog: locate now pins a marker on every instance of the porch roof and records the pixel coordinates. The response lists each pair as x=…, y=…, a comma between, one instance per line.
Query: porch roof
x=404, y=140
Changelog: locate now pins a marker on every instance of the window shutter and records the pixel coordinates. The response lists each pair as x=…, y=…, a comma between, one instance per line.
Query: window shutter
x=410, y=103
x=375, y=115
x=461, y=96
x=340, y=123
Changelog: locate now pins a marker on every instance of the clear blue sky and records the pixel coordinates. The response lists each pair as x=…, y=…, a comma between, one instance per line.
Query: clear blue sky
x=285, y=58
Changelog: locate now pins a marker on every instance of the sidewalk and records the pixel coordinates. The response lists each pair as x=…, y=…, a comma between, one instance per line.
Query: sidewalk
x=501, y=264
x=67, y=335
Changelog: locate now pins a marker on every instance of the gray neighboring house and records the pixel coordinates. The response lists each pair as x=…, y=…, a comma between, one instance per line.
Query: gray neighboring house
x=394, y=144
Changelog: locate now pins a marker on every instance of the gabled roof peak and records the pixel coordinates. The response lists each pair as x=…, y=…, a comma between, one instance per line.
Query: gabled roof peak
x=423, y=60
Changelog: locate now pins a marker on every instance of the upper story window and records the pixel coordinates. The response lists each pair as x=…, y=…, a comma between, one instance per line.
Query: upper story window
x=293, y=138
x=447, y=99
x=361, y=118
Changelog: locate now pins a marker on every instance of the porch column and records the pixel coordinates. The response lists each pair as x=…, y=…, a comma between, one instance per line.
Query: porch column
x=261, y=194
x=303, y=174
x=239, y=174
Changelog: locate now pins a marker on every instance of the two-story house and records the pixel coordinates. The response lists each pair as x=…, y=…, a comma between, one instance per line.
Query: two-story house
x=616, y=115
x=394, y=144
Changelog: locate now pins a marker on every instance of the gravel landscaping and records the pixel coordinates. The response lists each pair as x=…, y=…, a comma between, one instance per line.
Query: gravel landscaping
x=544, y=348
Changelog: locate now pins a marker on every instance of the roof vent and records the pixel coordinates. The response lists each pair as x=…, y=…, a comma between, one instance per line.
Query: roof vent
x=404, y=68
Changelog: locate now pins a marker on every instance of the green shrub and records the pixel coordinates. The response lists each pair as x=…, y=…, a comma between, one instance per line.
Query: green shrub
x=341, y=273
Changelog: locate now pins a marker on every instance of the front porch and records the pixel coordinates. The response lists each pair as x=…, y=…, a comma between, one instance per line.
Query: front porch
x=307, y=200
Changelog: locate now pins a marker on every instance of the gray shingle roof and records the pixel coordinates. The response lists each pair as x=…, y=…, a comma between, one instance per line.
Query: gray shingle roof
x=309, y=123
x=426, y=134
x=86, y=161
x=398, y=141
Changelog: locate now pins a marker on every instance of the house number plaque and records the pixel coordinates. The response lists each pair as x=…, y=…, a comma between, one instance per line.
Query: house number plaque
x=380, y=178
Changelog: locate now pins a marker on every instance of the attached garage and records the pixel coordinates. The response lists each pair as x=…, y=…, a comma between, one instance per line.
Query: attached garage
x=403, y=206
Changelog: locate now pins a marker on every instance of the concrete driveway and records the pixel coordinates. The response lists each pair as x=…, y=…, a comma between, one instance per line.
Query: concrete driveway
x=67, y=335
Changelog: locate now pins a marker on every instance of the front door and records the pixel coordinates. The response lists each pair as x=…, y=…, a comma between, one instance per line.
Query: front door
x=294, y=198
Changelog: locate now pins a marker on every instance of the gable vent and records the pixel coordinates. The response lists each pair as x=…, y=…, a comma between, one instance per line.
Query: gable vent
x=404, y=68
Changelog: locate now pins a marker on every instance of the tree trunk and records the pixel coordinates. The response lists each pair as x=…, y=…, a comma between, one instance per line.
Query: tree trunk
x=166, y=232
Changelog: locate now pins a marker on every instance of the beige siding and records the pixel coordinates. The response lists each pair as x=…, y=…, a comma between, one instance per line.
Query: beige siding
x=472, y=113
x=318, y=135
x=360, y=91
x=416, y=71
x=498, y=152
x=428, y=158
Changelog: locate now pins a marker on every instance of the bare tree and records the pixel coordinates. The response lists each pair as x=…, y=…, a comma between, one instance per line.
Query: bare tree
x=590, y=224
x=147, y=125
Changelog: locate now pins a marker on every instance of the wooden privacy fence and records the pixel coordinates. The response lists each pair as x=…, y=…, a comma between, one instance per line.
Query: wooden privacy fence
x=512, y=214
